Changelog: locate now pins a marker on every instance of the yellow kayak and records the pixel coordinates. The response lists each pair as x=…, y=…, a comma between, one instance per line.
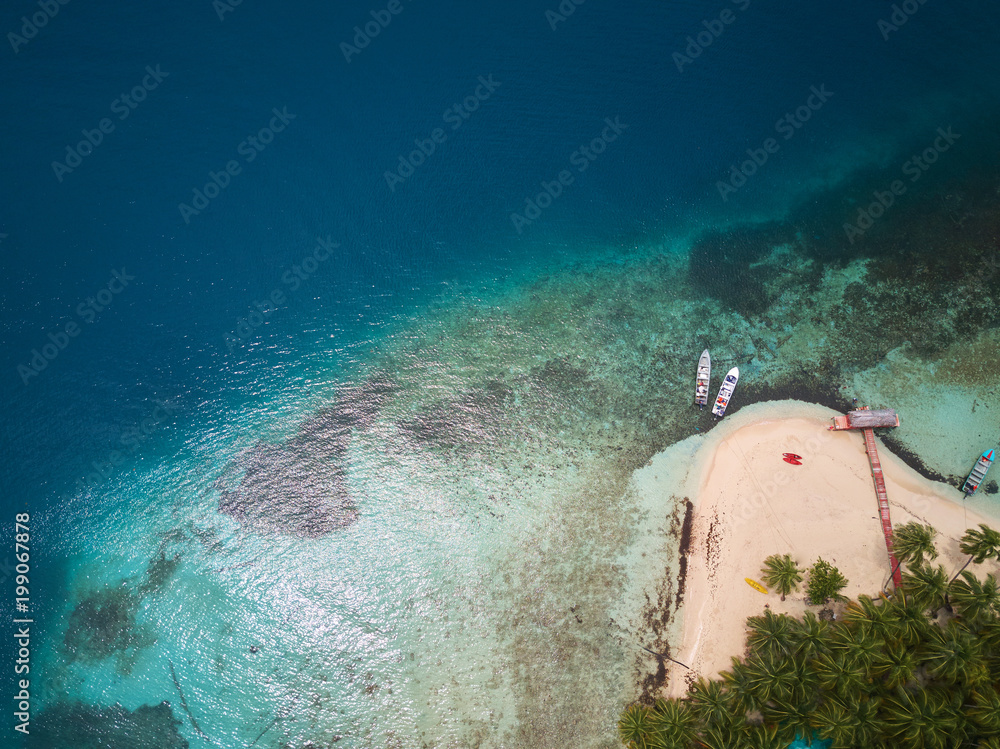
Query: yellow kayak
x=755, y=585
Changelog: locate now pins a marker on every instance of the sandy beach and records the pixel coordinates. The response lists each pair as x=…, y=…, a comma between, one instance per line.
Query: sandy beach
x=750, y=504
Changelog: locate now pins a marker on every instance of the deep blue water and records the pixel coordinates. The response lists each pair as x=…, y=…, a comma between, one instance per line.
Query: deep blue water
x=324, y=174
x=164, y=336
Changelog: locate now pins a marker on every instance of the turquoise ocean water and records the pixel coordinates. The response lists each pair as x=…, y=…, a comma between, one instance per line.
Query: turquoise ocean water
x=335, y=458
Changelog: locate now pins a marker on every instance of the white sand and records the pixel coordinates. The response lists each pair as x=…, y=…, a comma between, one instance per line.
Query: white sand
x=751, y=504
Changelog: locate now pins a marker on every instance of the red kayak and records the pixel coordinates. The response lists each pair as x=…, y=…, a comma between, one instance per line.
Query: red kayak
x=793, y=456
x=793, y=461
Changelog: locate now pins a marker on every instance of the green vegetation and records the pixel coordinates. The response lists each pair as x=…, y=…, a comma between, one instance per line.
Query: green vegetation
x=911, y=542
x=825, y=583
x=906, y=671
x=781, y=574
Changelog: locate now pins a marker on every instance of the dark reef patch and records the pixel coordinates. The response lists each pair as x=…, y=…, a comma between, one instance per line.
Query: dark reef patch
x=73, y=725
x=823, y=388
x=159, y=572
x=298, y=487
x=685, y=547
x=722, y=265
x=103, y=624
x=658, y=615
x=469, y=420
x=562, y=375
x=563, y=386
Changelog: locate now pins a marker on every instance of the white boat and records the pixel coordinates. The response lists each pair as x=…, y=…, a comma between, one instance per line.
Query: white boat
x=702, y=379
x=726, y=391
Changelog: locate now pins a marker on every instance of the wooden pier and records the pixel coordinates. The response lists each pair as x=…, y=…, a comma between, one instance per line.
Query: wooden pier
x=866, y=420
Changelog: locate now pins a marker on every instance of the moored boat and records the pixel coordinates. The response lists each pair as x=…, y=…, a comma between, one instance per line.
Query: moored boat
x=702, y=379
x=726, y=392
x=975, y=478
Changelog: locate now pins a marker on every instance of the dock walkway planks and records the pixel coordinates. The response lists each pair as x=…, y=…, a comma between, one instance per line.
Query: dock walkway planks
x=883, y=502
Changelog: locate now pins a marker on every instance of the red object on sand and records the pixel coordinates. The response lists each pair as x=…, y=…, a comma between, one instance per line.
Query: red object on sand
x=793, y=461
x=792, y=455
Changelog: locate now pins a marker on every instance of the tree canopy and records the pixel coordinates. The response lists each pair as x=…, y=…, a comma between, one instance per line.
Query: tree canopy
x=889, y=673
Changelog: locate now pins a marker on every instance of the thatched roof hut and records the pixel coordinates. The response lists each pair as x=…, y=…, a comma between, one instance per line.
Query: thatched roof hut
x=863, y=418
x=867, y=419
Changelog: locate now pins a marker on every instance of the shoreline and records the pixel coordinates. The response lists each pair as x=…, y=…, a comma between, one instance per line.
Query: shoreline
x=749, y=504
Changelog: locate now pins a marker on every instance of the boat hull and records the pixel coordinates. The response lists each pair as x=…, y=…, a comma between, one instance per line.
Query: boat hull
x=726, y=392
x=975, y=478
x=702, y=379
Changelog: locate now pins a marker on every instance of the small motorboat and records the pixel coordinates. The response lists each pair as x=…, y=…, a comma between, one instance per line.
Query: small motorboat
x=726, y=392
x=792, y=455
x=975, y=478
x=793, y=461
x=702, y=379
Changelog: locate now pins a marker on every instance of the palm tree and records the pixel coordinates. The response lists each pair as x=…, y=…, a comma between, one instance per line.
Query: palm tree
x=720, y=736
x=990, y=637
x=953, y=655
x=897, y=667
x=770, y=633
x=978, y=602
x=919, y=719
x=793, y=718
x=673, y=724
x=840, y=675
x=910, y=542
x=878, y=617
x=711, y=704
x=770, y=678
x=835, y=723
x=810, y=636
x=869, y=727
x=763, y=736
x=738, y=685
x=980, y=545
x=928, y=586
x=985, y=711
x=636, y=728
x=781, y=573
x=911, y=622
x=857, y=651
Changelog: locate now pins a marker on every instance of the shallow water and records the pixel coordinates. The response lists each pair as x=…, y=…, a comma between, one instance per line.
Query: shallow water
x=398, y=512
